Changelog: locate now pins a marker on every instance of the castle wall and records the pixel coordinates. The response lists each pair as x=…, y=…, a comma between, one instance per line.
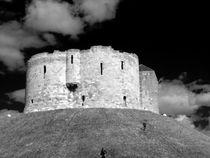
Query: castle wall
x=98, y=77
x=105, y=82
x=149, y=91
x=46, y=79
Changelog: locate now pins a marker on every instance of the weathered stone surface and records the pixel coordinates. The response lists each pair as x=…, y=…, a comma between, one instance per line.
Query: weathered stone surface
x=98, y=77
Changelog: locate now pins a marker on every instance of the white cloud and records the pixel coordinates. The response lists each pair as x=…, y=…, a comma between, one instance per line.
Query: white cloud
x=199, y=86
x=53, y=16
x=175, y=99
x=66, y=18
x=12, y=58
x=203, y=99
x=45, y=16
x=99, y=10
x=12, y=34
x=13, y=38
x=18, y=95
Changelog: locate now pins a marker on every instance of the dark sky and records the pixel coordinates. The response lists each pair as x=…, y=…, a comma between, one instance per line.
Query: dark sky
x=171, y=38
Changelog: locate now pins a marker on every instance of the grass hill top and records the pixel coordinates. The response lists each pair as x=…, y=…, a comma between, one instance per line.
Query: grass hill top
x=99, y=133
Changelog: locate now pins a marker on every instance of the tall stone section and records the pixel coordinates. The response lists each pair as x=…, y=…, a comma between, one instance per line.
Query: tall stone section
x=148, y=89
x=94, y=78
x=45, y=82
x=73, y=66
x=109, y=78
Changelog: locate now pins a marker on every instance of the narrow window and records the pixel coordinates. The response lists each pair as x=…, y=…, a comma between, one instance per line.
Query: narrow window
x=83, y=100
x=32, y=101
x=44, y=70
x=122, y=65
x=72, y=59
x=124, y=98
x=101, y=68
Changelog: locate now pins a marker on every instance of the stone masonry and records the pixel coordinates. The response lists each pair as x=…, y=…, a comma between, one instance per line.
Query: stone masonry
x=96, y=78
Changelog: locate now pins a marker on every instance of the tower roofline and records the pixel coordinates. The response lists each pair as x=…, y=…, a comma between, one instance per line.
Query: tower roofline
x=144, y=68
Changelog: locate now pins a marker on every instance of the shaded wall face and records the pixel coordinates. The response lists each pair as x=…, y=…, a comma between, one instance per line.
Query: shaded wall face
x=105, y=79
x=148, y=91
x=46, y=84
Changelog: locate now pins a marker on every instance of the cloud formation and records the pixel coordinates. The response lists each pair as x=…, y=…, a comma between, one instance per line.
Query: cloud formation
x=191, y=100
x=18, y=95
x=99, y=10
x=44, y=17
x=52, y=16
x=13, y=38
x=188, y=103
x=198, y=87
x=12, y=58
x=68, y=19
x=175, y=99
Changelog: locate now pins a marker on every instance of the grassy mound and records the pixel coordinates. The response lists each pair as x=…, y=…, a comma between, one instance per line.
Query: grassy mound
x=82, y=133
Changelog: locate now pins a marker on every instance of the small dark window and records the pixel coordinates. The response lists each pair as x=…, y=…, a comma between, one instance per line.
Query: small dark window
x=72, y=59
x=124, y=99
x=44, y=70
x=83, y=100
x=122, y=65
x=101, y=68
x=32, y=101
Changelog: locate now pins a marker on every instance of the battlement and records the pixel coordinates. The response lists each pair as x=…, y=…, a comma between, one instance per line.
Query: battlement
x=97, y=77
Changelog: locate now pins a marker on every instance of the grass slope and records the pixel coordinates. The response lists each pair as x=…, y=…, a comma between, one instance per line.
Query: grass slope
x=82, y=133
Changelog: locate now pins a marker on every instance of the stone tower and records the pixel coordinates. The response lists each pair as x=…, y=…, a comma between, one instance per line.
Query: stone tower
x=96, y=78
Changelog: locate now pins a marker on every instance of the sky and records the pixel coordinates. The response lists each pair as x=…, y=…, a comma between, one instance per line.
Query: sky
x=171, y=38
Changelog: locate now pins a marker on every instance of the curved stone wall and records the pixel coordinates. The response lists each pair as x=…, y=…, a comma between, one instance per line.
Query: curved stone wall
x=109, y=78
x=98, y=77
x=45, y=83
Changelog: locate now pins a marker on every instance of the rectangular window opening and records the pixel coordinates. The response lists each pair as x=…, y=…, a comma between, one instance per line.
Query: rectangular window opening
x=122, y=65
x=124, y=99
x=45, y=70
x=83, y=100
x=101, y=68
x=72, y=59
x=32, y=101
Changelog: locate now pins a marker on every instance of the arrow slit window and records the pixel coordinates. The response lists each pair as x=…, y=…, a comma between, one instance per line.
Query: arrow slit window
x=122, y=65
x=101, y=68
x=45, y=69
